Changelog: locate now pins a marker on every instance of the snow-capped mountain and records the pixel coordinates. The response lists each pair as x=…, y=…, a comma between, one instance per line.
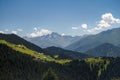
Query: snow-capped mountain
x=53, y=39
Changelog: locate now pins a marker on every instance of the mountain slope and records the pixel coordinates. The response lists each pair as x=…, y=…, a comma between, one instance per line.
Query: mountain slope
x=15, y=64
x=35, y=55
x=64, y=54
x=110, y=36
x=53, y=39
x=105, y=49
x=18, y=40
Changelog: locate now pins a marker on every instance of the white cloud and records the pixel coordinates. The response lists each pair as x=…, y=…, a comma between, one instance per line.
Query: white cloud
x=107, y=20
x=118, y=20
x=19, y=30
x=1, y=31
x=74, y=27
x=84, y=26
x=37, y=33
x=14, y=32
x=35, y=28
x=63, y=34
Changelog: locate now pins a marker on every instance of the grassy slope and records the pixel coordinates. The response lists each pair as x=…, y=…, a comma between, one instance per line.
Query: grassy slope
x=12, y=38
x=37, y=56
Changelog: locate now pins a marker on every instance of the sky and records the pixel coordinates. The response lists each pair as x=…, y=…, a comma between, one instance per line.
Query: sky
x=67, y=17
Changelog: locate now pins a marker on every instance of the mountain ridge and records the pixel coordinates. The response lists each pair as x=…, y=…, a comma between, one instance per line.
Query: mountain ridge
x=89, y=42
x=53, y=39
x=18, y=40
x=105, y=50
x=63, y=54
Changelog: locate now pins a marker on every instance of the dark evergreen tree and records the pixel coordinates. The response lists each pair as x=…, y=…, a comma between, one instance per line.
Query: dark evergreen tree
x=50, y=75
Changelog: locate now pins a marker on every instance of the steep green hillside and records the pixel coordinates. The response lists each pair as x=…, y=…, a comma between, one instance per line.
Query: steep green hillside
x=37, y=56
x=12, y=38
x=15, y=65
x=17, y=62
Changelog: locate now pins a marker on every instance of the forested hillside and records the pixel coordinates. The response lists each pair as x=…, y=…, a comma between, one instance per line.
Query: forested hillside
x=18, y=65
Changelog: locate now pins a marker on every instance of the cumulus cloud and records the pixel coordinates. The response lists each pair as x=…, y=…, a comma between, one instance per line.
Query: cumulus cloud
x=74, y=27
x=106, y=21
x=38, y=32
x=19, y=30
x=1, y=31
x=84, y=26
x=14, y=32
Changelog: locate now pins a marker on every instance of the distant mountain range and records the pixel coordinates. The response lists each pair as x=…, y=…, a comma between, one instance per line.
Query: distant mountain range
x=105, y=50
x=110, y=36
x=106, y=43
x=53, y=39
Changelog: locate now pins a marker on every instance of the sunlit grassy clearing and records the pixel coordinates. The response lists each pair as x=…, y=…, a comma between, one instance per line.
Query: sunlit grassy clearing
x=37, y=56
x=100, y=62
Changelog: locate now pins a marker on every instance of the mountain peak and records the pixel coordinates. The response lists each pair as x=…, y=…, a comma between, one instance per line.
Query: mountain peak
x=53, y=39
x=52, y=35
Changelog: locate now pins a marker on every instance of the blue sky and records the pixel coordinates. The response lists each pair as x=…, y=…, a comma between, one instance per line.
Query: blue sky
x=62, y=16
